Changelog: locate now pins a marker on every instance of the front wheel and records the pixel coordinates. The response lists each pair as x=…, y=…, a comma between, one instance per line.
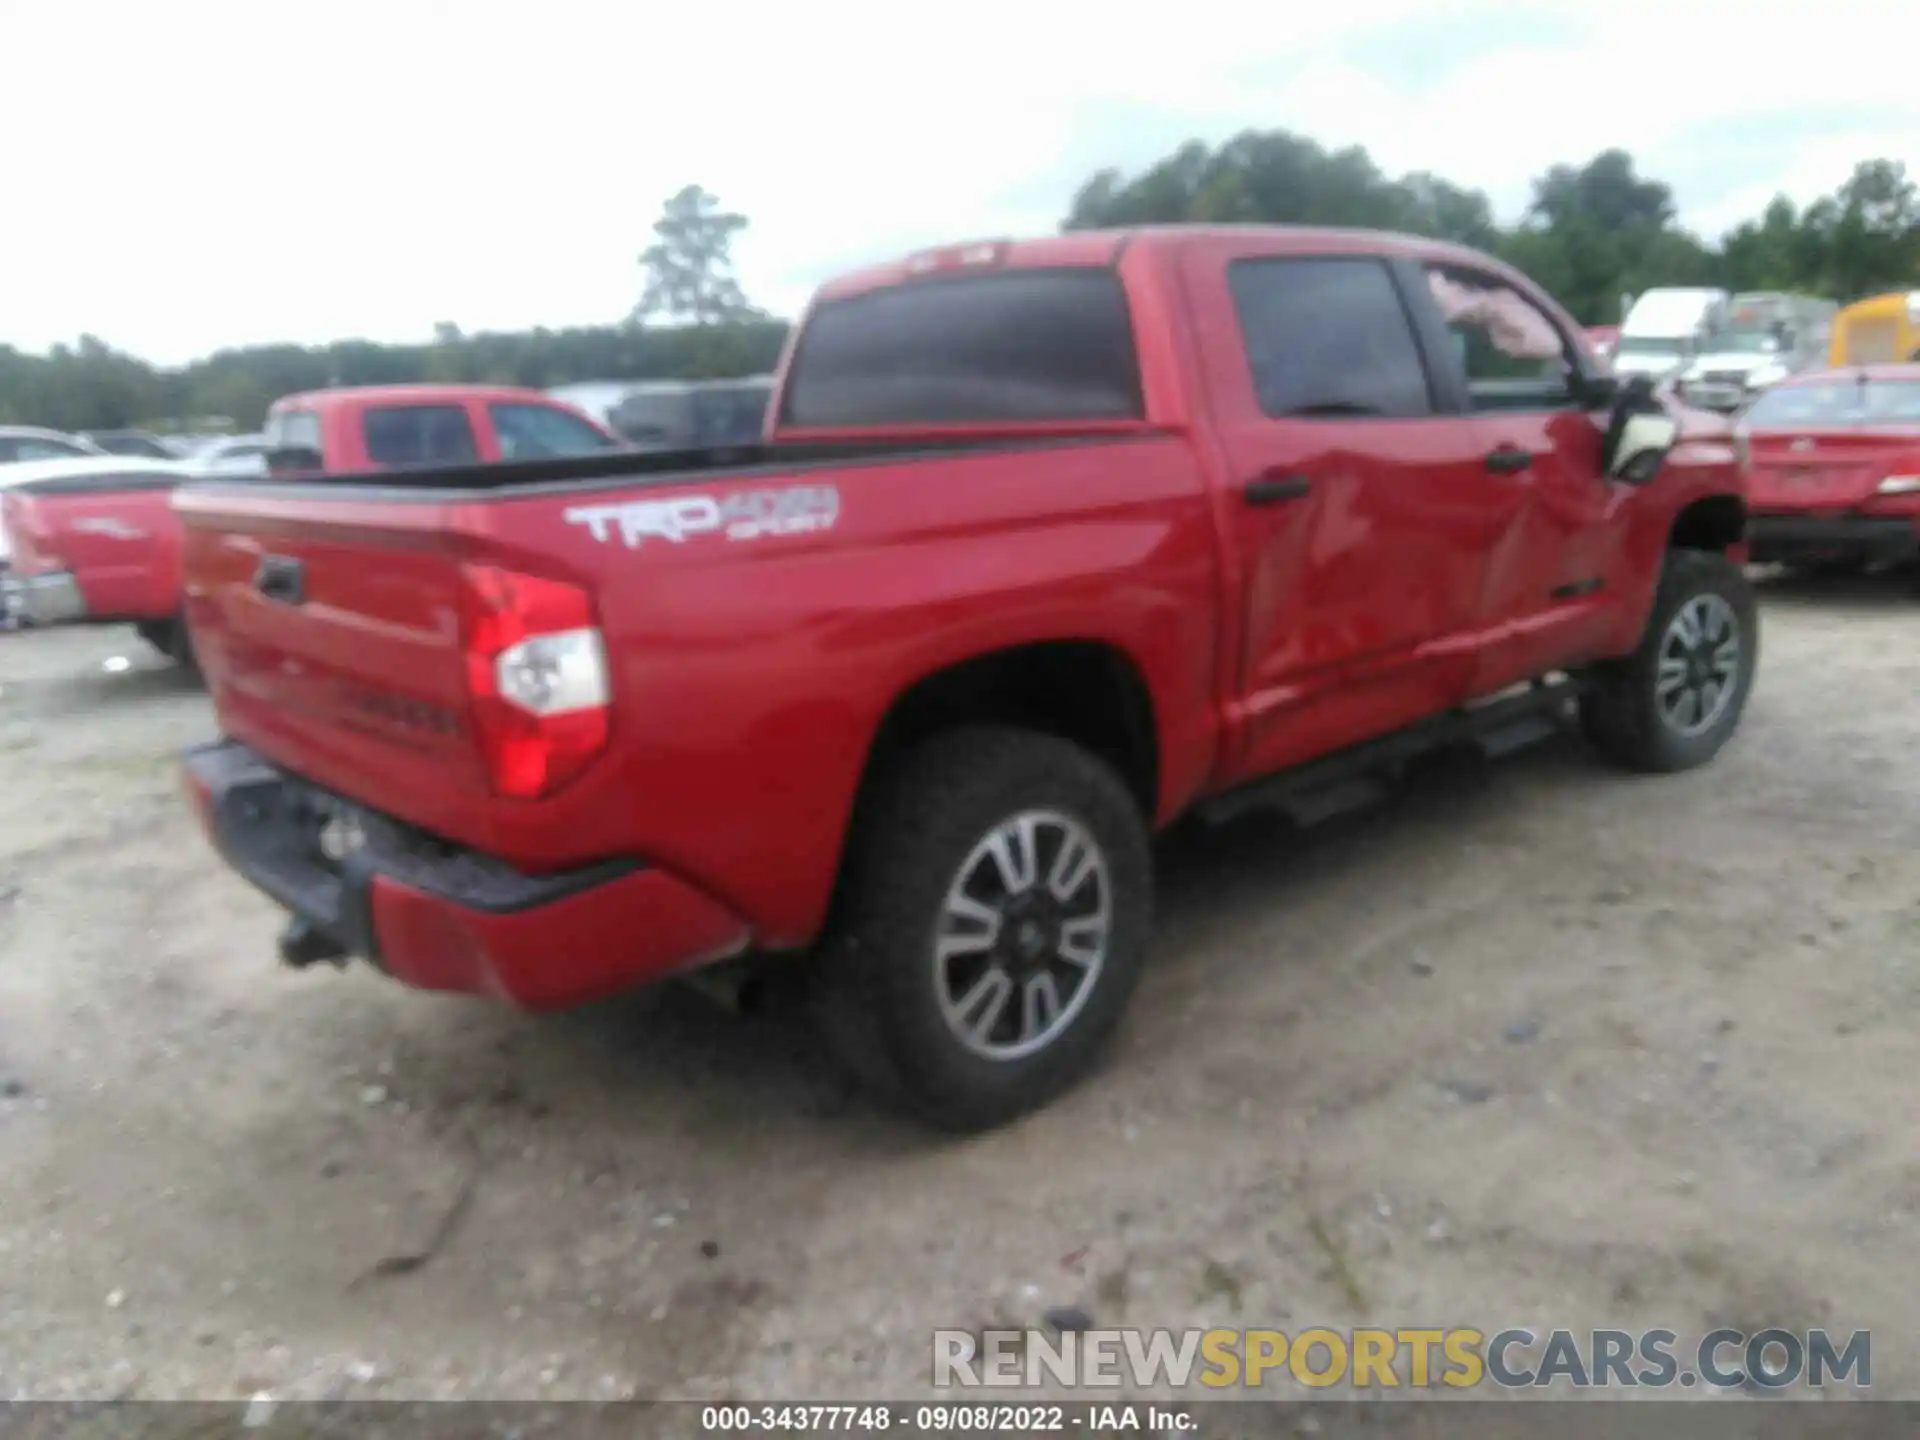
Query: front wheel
x=1676, y=700
x=995, y=918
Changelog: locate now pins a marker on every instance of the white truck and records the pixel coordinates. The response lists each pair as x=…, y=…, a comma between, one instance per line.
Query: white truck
x=1666, y=329
x=1768, y=336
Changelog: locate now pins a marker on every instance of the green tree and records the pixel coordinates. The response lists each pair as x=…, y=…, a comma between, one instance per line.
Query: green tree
x=689, y=263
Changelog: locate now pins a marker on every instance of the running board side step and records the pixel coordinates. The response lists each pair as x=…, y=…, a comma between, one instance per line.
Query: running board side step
x=1347, y=780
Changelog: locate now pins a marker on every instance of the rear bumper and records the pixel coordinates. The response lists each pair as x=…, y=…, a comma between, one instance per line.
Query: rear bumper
x=438, y=917
x=1788, y=538
x=51, y=599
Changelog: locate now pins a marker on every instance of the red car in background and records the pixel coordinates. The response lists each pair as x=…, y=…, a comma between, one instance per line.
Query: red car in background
x=96, y=542
x=1834, y=459
x=1603, y=338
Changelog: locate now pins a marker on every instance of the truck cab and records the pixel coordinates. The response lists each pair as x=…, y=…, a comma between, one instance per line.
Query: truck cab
x=378, y=427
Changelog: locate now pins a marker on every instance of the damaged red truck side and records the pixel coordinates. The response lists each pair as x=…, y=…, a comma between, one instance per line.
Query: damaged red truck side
x=1050, y=544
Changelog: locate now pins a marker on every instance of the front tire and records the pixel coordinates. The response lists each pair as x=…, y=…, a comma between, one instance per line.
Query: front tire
x=172, y=639
x=995, y=917
x=1678, y=698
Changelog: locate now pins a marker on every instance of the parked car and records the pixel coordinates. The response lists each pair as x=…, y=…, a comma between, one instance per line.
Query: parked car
x=28, y=442
x=94, y=541
x=1836, y=468
x=231, y=455
x=1767, y=337
x=1051, y=543
x=671, y=415
x=130, y=442
x=379, y=426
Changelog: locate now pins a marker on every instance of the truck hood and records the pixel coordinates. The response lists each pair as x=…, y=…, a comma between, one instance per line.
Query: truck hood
x=1744, y=365
x=1655, y=365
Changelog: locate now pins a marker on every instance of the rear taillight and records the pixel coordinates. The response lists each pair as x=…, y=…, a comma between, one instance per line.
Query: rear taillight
x=537, y=675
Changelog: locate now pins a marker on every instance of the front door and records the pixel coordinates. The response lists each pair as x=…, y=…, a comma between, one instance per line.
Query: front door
x=1548, y=594
x=1361, y=516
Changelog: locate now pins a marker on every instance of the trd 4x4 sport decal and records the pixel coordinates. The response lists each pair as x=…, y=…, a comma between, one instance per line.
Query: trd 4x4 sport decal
x=739, y=515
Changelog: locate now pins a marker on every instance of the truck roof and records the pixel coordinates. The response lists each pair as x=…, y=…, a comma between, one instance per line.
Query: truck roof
x=412, y=394
x=1105, y=247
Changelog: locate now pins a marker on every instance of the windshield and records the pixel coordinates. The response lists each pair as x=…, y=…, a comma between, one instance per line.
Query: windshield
x=1649, y=345
x=1743, y=342
x=1837, y=403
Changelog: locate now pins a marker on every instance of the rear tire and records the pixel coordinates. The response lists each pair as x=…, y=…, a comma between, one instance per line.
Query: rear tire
x=171, y=639
x=1673, y=702
x=994, y=919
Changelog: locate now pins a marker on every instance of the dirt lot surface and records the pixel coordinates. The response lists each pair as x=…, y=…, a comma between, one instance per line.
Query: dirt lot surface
x=1535, y=1044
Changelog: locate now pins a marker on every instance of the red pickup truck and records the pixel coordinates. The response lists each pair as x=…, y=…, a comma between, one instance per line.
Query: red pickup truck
x=1049, y=544
x=99, y=543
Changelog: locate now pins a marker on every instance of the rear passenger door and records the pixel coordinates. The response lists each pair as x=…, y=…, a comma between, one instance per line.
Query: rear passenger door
x=1548, y=578
x=1361, y=512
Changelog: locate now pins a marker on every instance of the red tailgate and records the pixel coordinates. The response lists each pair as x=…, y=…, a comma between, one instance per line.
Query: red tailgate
x=330, y=636
x=121, y=547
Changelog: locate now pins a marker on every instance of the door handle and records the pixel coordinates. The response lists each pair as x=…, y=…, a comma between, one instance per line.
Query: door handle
x=1272, y=488
x=282, y=578
x=1508, y=460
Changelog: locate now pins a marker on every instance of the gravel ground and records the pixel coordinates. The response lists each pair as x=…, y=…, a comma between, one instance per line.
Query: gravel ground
x=1530, y=1044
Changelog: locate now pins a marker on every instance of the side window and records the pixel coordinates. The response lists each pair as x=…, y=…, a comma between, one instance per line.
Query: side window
x=533, y=432
x=48, y=450
x=418, y=435
x=293, y=430
x=1515, y=358
x=1328, y=337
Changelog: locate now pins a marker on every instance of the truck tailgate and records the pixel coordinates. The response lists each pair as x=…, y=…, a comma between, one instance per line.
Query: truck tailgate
x=329, y=634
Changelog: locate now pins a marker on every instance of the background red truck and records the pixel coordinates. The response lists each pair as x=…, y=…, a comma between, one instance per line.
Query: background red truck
x=95, y=541
x=1052, y=543
x=98, y=542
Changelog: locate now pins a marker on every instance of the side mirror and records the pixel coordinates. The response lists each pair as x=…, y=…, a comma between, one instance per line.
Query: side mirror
x=1640, y=433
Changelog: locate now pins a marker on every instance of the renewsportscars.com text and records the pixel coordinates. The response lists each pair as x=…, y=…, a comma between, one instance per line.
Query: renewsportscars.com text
x=1370, y=1359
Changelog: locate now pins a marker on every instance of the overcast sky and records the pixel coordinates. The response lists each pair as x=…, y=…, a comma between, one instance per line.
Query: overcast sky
x=188, y=175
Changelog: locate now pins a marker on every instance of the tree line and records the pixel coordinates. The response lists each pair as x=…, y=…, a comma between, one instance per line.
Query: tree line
x=1591, y=233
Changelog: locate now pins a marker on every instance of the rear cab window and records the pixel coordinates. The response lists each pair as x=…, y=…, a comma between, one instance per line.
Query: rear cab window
x=1007, y=347
x=418, y=435
x=529, y=431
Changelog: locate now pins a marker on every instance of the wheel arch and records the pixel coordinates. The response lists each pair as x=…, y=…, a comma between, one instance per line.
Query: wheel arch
x=1090, y=692
x=1716, y=522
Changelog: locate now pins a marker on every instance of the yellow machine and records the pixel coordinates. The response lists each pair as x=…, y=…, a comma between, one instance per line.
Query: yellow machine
x=1880, y=330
